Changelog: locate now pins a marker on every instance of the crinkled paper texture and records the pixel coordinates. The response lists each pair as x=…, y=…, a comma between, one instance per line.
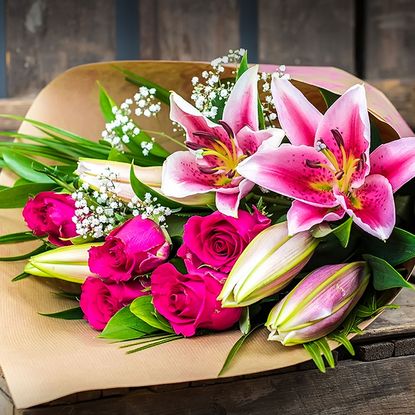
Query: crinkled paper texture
x=44, y=358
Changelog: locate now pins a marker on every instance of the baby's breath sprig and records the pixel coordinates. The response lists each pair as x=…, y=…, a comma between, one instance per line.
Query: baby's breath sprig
x=267, y=102
x=209, y=90
x=99, y=211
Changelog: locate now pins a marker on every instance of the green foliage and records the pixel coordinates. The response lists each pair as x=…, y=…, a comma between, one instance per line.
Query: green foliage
x=13, y=238
x=140, y=190
x=384, y=276
x=161, y=93
x=125, y=325
x=399, y=248
x=71, y=314
x=235, y=349
x=144, y=309
x=16, y=197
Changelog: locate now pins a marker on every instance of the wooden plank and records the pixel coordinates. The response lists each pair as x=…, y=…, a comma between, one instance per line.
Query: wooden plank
x=297, y=32
x=188, y=29
x=353, y=387
x=45, y=37
x=15, y=106
x=393, y=323
x=389, y=39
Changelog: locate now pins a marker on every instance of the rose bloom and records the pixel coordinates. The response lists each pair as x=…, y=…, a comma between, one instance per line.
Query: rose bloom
x=134, y=248
x=50, y=213
x=218, y=240
x=100, y=301
x=189, y=302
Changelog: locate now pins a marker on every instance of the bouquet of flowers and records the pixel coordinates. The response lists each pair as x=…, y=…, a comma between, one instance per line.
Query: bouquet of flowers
x=271, y=212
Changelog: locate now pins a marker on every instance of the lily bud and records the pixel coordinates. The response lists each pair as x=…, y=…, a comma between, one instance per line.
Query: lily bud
x=318, y=304
x=90, y=171
x=268, y=264
x=68, y=263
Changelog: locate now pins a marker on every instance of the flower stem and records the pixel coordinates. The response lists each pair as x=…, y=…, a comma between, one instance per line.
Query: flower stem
x=161, y=134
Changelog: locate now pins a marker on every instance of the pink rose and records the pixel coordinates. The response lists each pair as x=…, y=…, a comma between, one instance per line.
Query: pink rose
x=218, y=240
x=189, y=302
x=135, y=248
x=50, y=213
x=100, y=301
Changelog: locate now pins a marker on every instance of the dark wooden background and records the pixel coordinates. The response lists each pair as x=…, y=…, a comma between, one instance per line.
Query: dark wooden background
x=375, y=39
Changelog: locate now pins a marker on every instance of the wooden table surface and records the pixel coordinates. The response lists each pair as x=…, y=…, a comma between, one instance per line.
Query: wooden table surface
x=379, y=380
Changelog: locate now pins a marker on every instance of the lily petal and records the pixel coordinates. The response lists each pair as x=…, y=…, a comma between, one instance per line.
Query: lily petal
x=227, y=200
x=181, y=176
x=395, y=161
x=286, y=171
x=193, y=121
x=297, y=116
x=241, y=109
x=302, y=216
x=371, y=206
x=349, y=117
x=249, y=141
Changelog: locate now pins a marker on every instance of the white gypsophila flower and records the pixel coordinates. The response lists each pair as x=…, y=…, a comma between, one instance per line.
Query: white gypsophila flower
x=120, y=130
x=210, y=89
x=98, y=212
x=264, y=79
x=146, y=102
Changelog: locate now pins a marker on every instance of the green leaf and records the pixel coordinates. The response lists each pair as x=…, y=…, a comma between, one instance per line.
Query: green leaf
x=13, y=238
x=21, y=276
x=342, y=232
x=325, y=350
x=384, y=276
x=156, y=342
x=71, y=314
x=315, y=354
x=161, y=93
x=399, y=248
x=375, y=139
x=343, y=340
x=329, y=97
x=50, y=128
x=144, y=309
x=140, y=189
x=235, y=349
x=245, y=321
x=243, y=65
x=106, y=104
x=125, y=325
x=25, y=167
x=38, y=250
x=16, y=197
x=115, y=155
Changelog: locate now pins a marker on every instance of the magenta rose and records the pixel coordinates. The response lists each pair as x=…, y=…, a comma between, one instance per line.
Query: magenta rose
x=189, y=302
x=50, y=213
x=218, y=240
x=135, y=248
x=100, y=301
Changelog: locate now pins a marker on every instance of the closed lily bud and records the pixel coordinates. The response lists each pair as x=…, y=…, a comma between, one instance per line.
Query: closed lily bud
x=68, y=263
x=268, y=264
x=91, y=171
x=318, y=304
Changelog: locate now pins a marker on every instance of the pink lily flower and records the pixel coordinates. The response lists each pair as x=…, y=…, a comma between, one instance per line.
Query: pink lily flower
x=328, y=169
x=215, y=150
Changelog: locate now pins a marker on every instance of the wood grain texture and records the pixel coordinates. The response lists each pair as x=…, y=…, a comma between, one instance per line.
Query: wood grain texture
x=188, y=29
x=353, y=388
x=298, y=32
x=389, y=39
x=45, y=37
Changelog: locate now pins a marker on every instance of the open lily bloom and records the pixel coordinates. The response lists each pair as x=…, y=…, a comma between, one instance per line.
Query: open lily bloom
x=215, y=150
x=328, y=169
